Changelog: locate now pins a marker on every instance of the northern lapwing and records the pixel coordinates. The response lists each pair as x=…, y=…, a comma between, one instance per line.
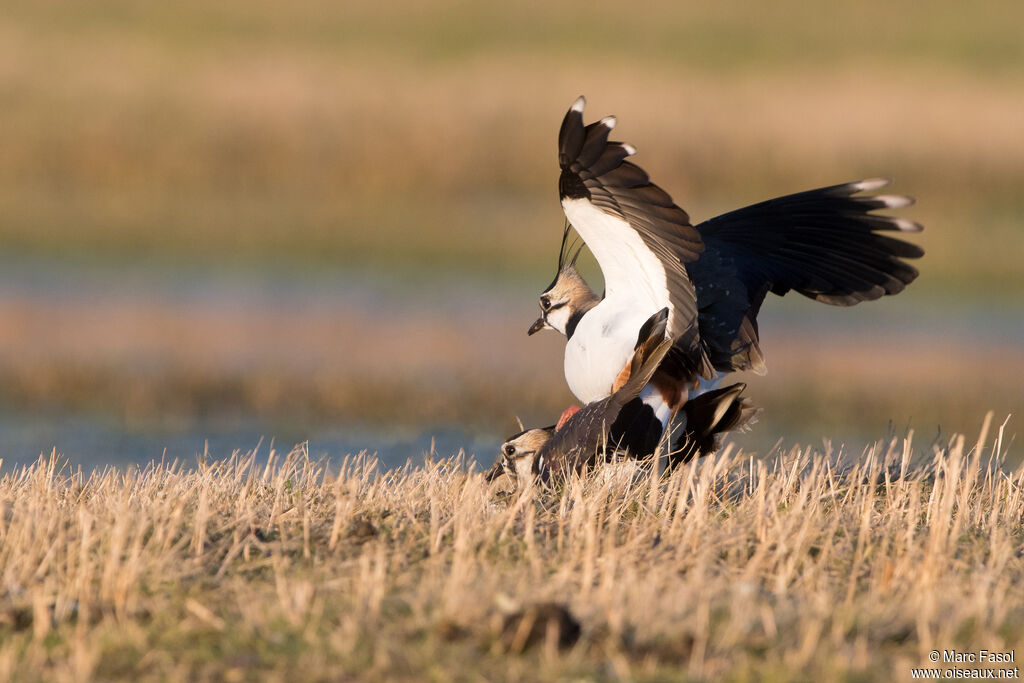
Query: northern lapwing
x=826, y=244
x=538, y=454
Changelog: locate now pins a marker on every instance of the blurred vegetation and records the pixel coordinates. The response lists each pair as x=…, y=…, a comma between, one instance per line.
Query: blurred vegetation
x=412, y=139
x=406, y=134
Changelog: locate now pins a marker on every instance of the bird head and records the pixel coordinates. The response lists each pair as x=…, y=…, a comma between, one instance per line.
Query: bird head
x=520, y=455
x=564, y=302
x=568, y=296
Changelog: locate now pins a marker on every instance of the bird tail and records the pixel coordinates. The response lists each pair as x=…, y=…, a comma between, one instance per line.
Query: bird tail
x=708, y=418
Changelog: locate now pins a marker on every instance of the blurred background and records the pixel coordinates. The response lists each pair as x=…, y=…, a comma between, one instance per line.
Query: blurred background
x=221, y=222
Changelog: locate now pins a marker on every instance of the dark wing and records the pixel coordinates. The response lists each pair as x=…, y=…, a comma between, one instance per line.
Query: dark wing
x=825, y=244
x=625, y=204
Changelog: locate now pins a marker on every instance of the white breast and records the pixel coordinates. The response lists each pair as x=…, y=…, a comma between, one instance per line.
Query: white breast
x=602, y=345
x=635, y=289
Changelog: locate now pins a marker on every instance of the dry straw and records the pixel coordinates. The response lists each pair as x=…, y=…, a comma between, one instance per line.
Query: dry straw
x=803, y=563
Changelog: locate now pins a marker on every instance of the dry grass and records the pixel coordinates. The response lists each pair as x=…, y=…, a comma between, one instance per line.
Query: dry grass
x=801, y=565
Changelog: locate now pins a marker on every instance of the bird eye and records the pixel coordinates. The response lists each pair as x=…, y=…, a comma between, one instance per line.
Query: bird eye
x=510, y=449
x=545, y=303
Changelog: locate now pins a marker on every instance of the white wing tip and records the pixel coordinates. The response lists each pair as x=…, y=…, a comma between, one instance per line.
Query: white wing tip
x=894, y=201
x=871, y=184
x=904, y=225
x=630, y=149
x=609, y=122
x=578, y=105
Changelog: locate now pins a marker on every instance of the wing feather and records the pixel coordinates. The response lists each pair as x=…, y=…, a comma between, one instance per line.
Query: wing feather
x=595, y=171
x=824, y=243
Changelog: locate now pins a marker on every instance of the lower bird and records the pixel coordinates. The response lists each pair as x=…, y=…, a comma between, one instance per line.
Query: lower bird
x=587, y=434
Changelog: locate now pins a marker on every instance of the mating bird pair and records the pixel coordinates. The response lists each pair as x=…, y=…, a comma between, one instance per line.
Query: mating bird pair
x=679, y=310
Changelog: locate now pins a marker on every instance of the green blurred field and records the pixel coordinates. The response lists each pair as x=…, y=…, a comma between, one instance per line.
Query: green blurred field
x=414, y=139
x=423, y=135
